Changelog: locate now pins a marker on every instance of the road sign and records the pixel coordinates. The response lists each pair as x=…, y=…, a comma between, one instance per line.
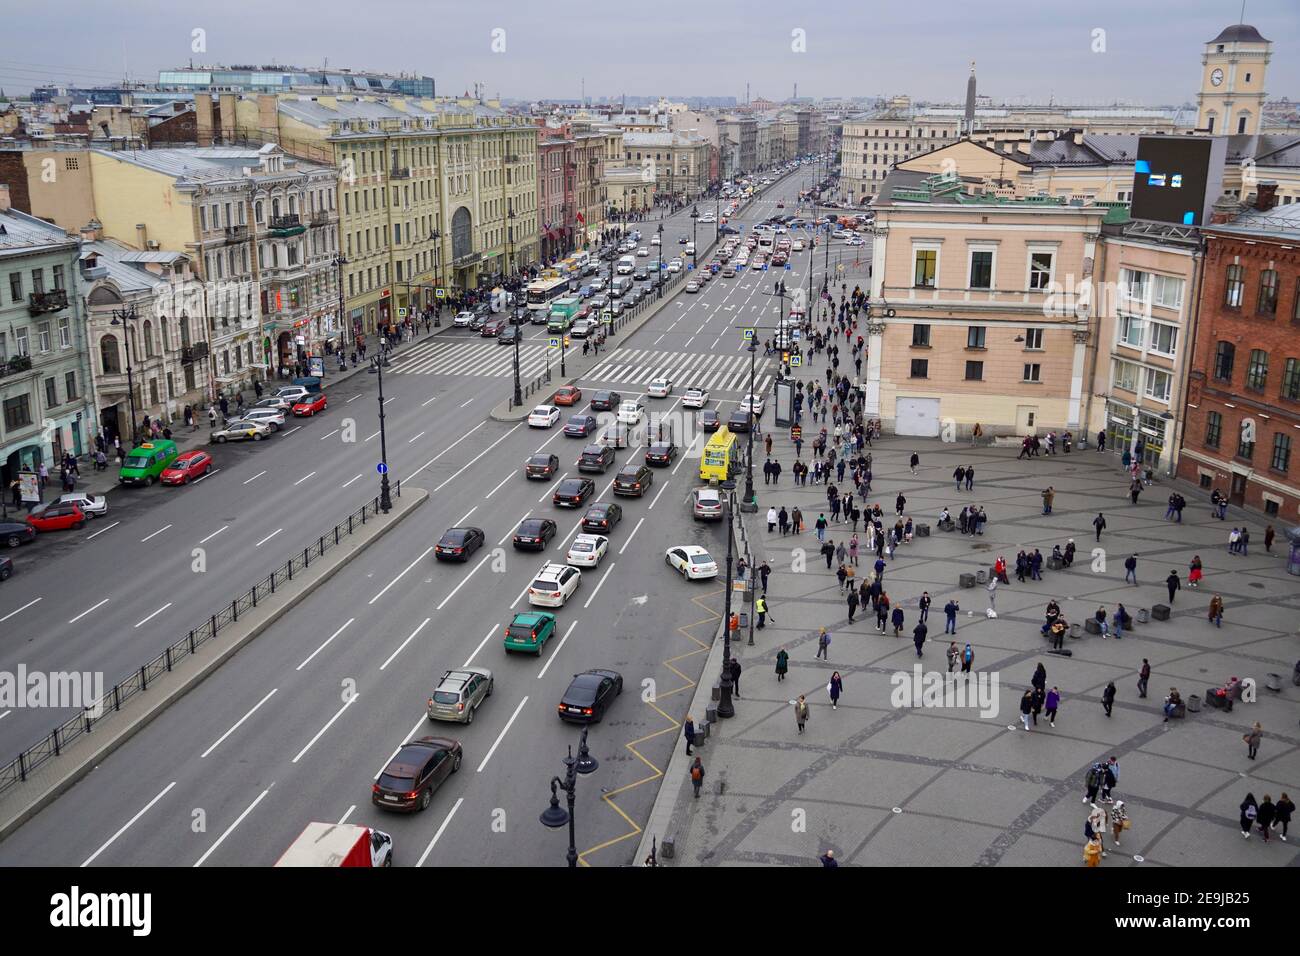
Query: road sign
x=401, y=313
x=381, y=468
x=749, y=334
x=764, y=266
x=788, y=267
x=440, y=293
x=795, y=334
x=796, y=361
x=553, y=343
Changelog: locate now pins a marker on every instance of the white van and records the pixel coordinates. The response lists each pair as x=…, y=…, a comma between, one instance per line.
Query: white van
x=626, y=265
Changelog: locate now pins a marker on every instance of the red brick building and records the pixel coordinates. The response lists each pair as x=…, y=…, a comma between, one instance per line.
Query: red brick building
x=1242, y=432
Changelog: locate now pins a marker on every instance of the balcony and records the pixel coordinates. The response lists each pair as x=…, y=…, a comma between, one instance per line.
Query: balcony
x=52, y=301
x=194, y=353
x=283, y=226
x=403, y=172
x=15, y=365
x=236, y=233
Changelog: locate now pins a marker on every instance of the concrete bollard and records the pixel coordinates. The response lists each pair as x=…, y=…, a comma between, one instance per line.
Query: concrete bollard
x=1091, y=626
x=710, y=714
x=668, y=846
x=716, y=693
x=966, y=580
x=1143, y=615
x=923, y=531
x=1160, y=612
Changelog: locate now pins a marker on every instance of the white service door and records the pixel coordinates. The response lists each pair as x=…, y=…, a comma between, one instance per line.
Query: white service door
x=917, y=416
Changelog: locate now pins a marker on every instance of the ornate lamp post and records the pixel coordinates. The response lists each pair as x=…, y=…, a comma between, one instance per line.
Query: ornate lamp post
x=555, y=816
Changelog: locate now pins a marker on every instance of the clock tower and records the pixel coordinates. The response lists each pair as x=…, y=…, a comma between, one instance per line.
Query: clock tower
x=1232, y=93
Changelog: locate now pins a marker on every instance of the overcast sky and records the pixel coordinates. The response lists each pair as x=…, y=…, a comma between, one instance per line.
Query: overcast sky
x=1023, y=50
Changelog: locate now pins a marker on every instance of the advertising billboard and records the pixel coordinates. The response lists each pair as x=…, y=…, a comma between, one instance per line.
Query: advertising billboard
x=1176, y=179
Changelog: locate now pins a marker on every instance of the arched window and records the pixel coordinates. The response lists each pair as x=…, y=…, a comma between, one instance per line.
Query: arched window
x=109, y=356
x=148, y=339
x=275, y=208
x=257, y=211
x=185, y=331
x=462, y=238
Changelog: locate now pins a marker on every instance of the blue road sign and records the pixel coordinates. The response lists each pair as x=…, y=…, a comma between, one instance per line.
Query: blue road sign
x=381, y=468
x=553, y=343
x=749, y=334
x=796, y=361
x=764, y=266
x=788, y=267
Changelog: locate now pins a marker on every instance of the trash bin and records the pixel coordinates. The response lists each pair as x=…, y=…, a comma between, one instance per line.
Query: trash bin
x=1143, y=615
x=981, y=576
x=1194, y=703
x=1074, y=631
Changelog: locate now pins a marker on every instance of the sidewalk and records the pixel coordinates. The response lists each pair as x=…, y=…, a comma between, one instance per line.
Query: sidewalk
x=884, y=783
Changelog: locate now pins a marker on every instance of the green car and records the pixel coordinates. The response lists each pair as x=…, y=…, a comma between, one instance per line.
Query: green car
x=529, y=631
x=146, y=462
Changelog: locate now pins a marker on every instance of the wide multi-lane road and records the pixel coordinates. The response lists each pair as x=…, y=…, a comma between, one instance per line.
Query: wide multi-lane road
x=297, y=725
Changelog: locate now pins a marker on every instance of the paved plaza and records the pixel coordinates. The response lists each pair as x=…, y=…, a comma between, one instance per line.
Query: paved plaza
x=887, y=785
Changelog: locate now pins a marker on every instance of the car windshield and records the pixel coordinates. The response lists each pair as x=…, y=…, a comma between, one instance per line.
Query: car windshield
x=530, y=527
x=454, y=537
x=545, y=584
x=135, y=461
x=446, y=697
x=570, y=487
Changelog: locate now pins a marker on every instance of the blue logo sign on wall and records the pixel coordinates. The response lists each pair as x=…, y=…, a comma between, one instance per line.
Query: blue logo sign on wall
x=381, y=468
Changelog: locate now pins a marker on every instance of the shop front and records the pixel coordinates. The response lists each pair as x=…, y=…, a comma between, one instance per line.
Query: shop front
x=1140, y=433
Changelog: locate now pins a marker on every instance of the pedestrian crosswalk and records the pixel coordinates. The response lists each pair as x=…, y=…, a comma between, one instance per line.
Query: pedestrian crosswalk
x=485, y=358
x=716, y=372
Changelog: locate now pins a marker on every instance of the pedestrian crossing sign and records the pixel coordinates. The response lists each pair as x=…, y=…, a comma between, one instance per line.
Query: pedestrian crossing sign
x=553, y=343
x=401, y=313
x=749, y=335
x=440, y=293
x=796, y=361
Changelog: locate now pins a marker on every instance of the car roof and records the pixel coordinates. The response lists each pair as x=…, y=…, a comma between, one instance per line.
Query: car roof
x=575, y=481
x=708, y=493
x=545, y=456
x=462, y=530
x=529, y=618
x=592, y=539
x=533, y=521
x=690, y=549
x=462, y=676
x=594, y=449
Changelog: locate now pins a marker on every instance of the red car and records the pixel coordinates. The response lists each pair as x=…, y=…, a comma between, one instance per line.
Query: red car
x=186, y=467
x=310, y=405
x=568, y=395
x=56, y=516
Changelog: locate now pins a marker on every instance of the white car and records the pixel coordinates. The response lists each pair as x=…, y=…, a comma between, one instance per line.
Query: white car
x=463, y=319
x=708, y=218
x=798, y=245
x=692, y=561
x=268, y=416
x=92, y=506
x=690, y=248
x=553, y=585
x=543, y=416
x=643, y=252
x=675, y=265
x=588, y=550
x=630, y=413
x=693, y=286
x=659, y=388
x=292, y=393
x=752, y=403
x=695, y=398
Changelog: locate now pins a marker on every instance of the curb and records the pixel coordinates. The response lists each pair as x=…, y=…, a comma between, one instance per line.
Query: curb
x=193, y=671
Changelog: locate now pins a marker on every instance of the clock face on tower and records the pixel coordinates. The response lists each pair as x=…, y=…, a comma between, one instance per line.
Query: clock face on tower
x=1216, y=77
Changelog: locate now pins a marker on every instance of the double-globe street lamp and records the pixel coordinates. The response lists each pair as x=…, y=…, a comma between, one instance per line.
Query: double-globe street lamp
x=122, y=317
x=695, y=219
x=556, y=816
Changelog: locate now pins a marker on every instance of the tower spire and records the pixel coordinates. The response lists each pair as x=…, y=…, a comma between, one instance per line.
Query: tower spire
x=969, y=118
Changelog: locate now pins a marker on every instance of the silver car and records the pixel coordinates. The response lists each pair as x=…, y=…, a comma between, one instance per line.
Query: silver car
x=267, y=416
x=459, y=694
x=91, y=506
x=706, y=504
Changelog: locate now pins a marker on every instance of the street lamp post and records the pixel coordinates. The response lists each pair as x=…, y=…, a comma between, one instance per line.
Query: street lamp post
x=555, y=816
x=750, y=500
x=518, y=323
x=726, y=708
x=436, y=238
x=385, y=501
x=695, y=217
x=339, y=262
x=122, y=317
x=659, y=272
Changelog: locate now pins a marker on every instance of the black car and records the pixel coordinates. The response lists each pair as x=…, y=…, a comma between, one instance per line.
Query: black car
x=542, y=466
x=605, y=401
x=419, y=768
x=573, y=492
x=533, y=534
x=476, y=324
x=602, y=517
x=709, y=420
x=457, y=544
x=6, y=568
x=596, y=458
x=661, y=454
x=520, y=317
x=483, y=309
x=640, y=274
x=739, y=421
x=13, y=534
x=580, y=426
x=589, y=696
x=509, y=335
x=633, y=480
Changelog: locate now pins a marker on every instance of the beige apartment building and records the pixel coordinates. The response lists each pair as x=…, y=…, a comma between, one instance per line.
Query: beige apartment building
x=968, y=322
x=680, y=161
x=873, y=145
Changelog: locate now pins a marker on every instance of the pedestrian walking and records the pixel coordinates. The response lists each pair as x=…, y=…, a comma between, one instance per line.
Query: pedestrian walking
x=1130, y=569
x=959, y=476
x=1252, y=740
x=828, y=859
x=950, y=616
x=1249, y=810
x=853, y=603
x=1216, y=611
x=1048, y=496
x=1108, y=697
x=697, y=776
x=1144, y=675
x=771, y=519
x=688, y=731
x=1282, y=811
x=1119, y=821
x=1173, y=583
x=782, y=664
x=954, y=653
x=970, y=477
x=823, y=645
x=1269, y=535
x=1026, y=707
x=1109, y=777
x=896, y=619
x=835, y=688
x=1039, y=680
x=801, y=712
x=735, y=677
x=1099, y=523
x=1051, y=704
x=918, y=637
x=1265, y=815
x=1092, y=782
x=1195, y=571
x=924, y=605
x=1092, y=851
x=760, y=608
x=764, y=570
x=914, y=461
x=967, y=660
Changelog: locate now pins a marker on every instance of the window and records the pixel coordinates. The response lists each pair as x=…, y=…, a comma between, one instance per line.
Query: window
x=1040, y=269
x=43, y=336
x=974, y=371
x=927, y=261
x=1281, y=452
x=920, y=368
x=109, y=356
x=975, y=337
x=1130, y=331
x=1213, y=429
x=65, y=334
x=1224, y=353
x=1167, y=291
x=981, y=269
x=1291, y=380
x=1034, y=340
x=920, y=337
x=58, y=277
x=1267, y=304
x=1126, y=376
x=203, y=218
x=15, y=287
x=18, y=412
x=1164, y=338
x=24, y=348
x=1235, y=288
x=1271, y=507
x=1033, y=372
x=70, y=385
x=1246, y=439
x=51, y=393
x=1257, y=370
x=38, y=281
x=1157, y=384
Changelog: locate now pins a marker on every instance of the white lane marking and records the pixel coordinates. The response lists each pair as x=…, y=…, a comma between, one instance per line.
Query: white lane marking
x=401, y=647
x=303, y=478
x=344, y=819
x=330, y=435
x=88, y=611
x=5, y=714
x=292, y=430
x=352, y=399
x=465, y=517
x=434, y=399
x=462, y=583
x=520, y=597
x=214, y=534
x=350, y=480
x=416, y=438
x=235, y=726
x=256, y=476
x=662, y=489
x=156, y=533
x=327, y=640
x=23, y=608
x=150, y=617
x=498, y=487
x=501, y=736
x=268, y=537
x=206, y=475
x=631, y=536
x=434, y=842
x=102, y=530
x=467, y=403
x=599, y=585
x=426, y=553
x=375, y=435
x=328, y=724
x=470, y=660
x=231, y=829
x=396, y=750
x=550, y=492
x=559, y=647
x=388, y=400
x=126, y=826
x=447, y=449
x=457, y=472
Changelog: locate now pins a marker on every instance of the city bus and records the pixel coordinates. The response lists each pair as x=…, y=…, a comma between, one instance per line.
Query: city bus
x=542, y=292
x=719, y=461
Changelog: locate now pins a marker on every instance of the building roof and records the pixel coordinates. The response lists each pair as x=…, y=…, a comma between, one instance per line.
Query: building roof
x=1239, y=33
x=1092, y=151
x=1281, y=223
x=25, y=234
x=112, y=256
x=201, y=163
x=684, y=138
x=162, y=257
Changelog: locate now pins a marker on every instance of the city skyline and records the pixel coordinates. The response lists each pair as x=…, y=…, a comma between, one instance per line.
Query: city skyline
x=1048, y=55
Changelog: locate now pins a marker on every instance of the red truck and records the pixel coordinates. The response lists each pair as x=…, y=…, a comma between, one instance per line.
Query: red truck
x=339, y=844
